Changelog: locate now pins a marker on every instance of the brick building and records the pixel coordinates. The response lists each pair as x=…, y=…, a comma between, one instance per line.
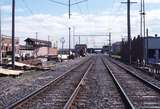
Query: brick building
x=7, y=45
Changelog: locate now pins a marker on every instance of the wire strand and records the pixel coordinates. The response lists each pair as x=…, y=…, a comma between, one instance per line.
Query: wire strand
x=60, y=3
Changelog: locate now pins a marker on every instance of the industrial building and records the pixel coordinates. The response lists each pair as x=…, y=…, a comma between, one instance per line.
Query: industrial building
x=153, y=49
x=116, y=47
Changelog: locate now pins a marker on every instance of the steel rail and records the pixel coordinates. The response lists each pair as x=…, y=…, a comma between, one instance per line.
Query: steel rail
x=76, y=91
x=125, y=98
x=38, y=91
x=155, y=87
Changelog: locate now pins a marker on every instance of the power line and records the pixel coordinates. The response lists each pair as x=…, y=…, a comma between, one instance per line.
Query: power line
x=88, y=8
x=31, y=11
x=27, y=7
x=79, y=2
x=69, y=13
x=80, y=10
x=116, y=11
x=57, y=2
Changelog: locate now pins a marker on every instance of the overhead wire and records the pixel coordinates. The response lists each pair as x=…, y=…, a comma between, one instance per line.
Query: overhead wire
x=116, y=12
x=64, y=4
x=88, y=12
x=57, y=2
x=31, y=11
x=79, y=2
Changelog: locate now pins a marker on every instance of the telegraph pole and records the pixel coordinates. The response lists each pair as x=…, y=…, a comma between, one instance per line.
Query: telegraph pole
x=141, y=18
x=143, y=28
x=144, y=19
x=129, y=28
x=13, y=34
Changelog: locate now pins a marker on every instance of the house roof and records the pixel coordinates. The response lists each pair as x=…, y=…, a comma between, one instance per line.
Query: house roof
x=37, y=40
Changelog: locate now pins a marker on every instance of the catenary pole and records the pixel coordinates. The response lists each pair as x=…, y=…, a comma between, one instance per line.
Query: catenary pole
x=69, y=9
x=141, y=18
x=129, y=29
x=13, y=34
x=110, y=44
x=147, y=34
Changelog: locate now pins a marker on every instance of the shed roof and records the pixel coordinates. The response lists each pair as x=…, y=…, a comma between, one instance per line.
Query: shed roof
x=37, y=40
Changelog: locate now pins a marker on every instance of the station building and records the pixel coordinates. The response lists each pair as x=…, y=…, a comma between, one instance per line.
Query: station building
x=37, y=48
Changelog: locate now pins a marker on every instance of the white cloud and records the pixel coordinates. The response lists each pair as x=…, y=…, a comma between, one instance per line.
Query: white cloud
x=57, y=26
x=149, y=1
x=8, y=9
x=152, y=1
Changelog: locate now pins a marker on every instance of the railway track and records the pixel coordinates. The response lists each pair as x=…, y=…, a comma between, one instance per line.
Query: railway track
x=137, y=92
x=56, y=93
x=138, y=72
x=99, y=91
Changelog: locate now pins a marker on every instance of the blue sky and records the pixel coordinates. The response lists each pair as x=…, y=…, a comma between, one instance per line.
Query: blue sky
x=91, y=17
x=45, y=6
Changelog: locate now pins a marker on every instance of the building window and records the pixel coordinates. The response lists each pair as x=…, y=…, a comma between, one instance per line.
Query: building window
x=151, y=53
x=159, y=53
